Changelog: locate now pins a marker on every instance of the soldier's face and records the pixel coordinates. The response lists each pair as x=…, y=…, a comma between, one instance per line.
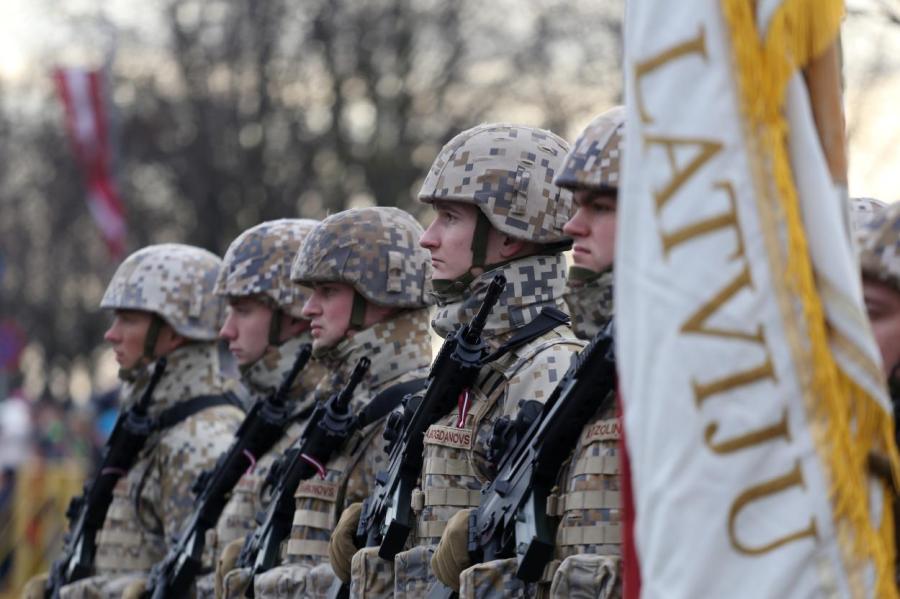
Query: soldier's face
x=449, y=239
x=126, y=335
x=593, y=230
x=328, y=309
x=246, y=329
x=883, y=306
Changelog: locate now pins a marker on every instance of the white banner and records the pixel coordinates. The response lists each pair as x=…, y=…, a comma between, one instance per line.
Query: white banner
x=746, y=361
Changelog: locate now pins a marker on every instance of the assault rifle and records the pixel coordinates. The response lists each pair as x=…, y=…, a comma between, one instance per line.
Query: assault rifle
x=330, y=425
x=87, y=512
x=261, y=429
x=387, y=516
x=512, y=519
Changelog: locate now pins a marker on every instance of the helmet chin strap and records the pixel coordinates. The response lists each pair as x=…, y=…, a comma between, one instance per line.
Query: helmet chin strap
x=479, y=257
x=149, y=352
x=275, y=327
x=358, y=311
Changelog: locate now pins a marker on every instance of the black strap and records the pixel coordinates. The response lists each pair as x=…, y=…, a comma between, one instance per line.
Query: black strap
x=385, y=402
x=184, y=410
x=546, y=321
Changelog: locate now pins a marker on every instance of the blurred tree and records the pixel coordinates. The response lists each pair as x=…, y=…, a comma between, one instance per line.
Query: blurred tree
x=249, y=110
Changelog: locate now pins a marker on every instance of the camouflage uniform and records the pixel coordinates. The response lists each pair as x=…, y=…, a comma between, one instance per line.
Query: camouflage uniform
x=258, y=265
x=151, y=502
x=505, y=171
x=376, y=251
x=588, y=538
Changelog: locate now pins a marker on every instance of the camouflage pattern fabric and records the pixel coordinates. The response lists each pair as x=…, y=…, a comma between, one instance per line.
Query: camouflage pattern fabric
x=259, y=262
x=493, y=580
x=531, y=284
x=374, y=250
x=880, y=247
x=370, y=576
x=456, y=447
x=151, y=503
x=594, y=161
x=590, y=301
x=174, y=281
x=591, y=482
x=863, y=211
x=400, y=350
x=507, y=171
x=588, y=577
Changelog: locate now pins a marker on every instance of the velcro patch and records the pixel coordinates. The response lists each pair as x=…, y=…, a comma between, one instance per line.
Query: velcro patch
x=604, y=430
x=318, y=489
x=448, y=436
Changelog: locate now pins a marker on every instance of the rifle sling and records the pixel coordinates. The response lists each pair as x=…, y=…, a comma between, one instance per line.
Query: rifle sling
x=385, y=402
x=184, y=410
x=549, y=319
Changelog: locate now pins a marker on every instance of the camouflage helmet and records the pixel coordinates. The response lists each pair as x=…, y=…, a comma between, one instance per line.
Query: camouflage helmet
x=374, y=250
x=259, y=262
x=506, y=171
x=173, y=281
x=880, y=247
x=594, y=162
x=863, y=211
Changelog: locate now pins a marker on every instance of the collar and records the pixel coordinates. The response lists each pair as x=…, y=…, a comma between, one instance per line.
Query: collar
x=589, y=296
x=264, y=376
x=193, y=370
x=531, y=283
x=395, y=346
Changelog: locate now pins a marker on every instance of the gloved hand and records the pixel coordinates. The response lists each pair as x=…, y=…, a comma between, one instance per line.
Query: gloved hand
x=452, y=554
x=135, y=590
x=342, y=546
x=34, y=588
x=226, y=563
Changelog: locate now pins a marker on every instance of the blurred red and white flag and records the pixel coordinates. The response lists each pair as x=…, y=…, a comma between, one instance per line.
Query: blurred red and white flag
x=88, y=120
x=752, y=387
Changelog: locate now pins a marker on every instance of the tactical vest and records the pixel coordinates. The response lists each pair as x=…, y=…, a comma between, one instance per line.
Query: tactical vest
x=455, y=460
x=133, y=537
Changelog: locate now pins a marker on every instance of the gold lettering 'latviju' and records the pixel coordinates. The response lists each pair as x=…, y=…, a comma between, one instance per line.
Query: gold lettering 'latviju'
x=696, y=155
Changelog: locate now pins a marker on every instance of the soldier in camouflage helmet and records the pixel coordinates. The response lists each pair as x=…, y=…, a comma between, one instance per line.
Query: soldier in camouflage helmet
x=588, y=547
x=368, y=278
x=163, y=306
x=264, y=330
x=880, y=261
x=863, y=211
x=497, y=211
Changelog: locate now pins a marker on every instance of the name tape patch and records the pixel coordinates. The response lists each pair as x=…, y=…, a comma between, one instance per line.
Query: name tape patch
x=458, y=438
x=604, y=430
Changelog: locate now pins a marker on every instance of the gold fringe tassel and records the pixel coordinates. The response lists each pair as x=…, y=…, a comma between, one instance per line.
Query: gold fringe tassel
x=853, y=422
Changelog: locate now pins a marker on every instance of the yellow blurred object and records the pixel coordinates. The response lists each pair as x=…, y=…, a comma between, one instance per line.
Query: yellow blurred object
x=37, y=519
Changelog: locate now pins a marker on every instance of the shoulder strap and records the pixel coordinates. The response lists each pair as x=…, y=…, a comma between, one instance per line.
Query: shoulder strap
x=549, y=319
x=184, y=410
x=384, y=403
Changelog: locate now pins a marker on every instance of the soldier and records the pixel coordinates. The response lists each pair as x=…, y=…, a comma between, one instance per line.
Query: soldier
x=164, y=306
x=264, y=329
x=588, y=540
x=880, y=261
x=496, y=212
x=368, y=298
